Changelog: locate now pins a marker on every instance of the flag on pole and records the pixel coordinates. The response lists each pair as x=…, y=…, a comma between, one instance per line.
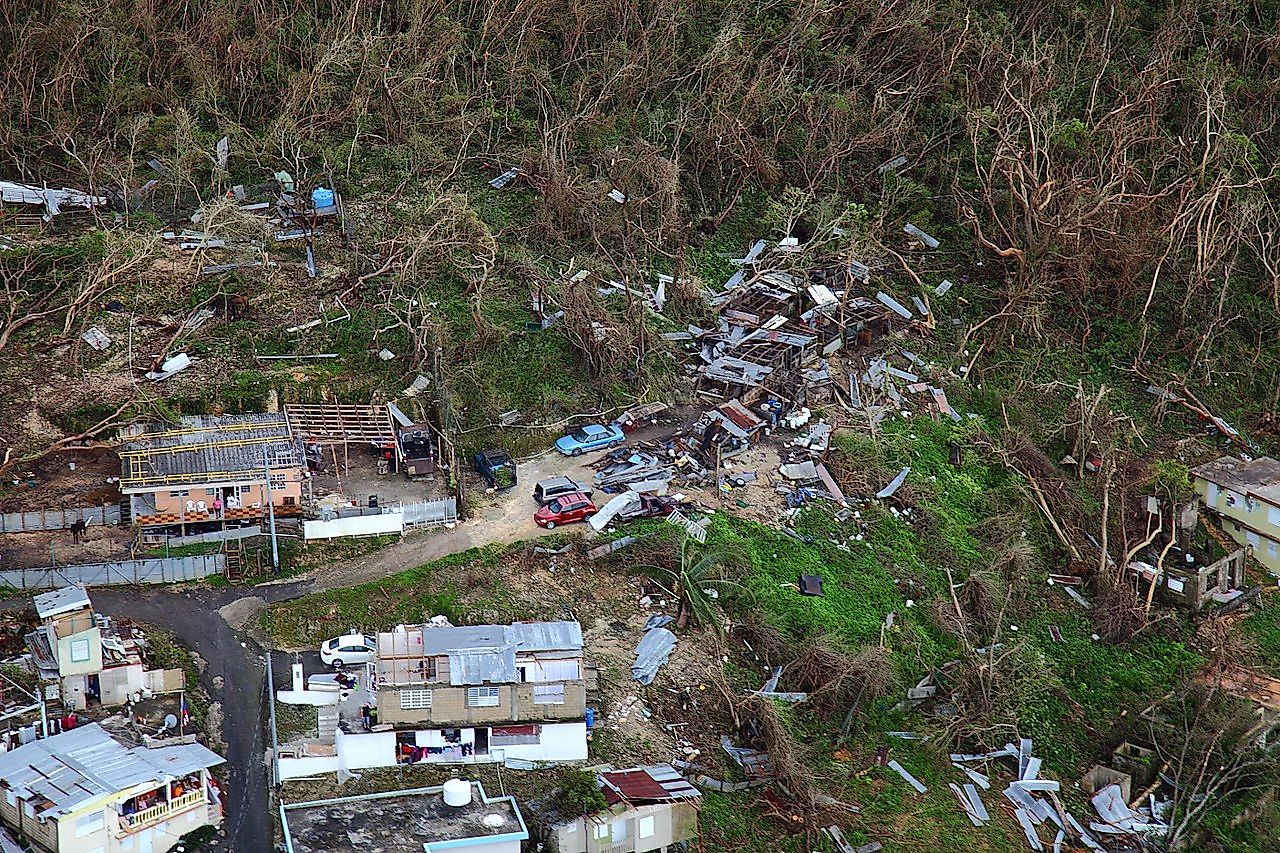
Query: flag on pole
x=183, y=711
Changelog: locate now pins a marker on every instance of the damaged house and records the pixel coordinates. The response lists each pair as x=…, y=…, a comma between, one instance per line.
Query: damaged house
x=86, y=659
x=83, y=792
x=212, y=468
x=649, y=809
x=1189, y=568
x=450, y=695
x=1246, y=497
x=773, y=324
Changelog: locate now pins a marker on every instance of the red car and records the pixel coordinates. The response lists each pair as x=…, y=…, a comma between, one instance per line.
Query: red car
x=565, y=509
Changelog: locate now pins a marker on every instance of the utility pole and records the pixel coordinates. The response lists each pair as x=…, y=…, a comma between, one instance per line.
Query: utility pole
x=271, y=516
x=271, y=704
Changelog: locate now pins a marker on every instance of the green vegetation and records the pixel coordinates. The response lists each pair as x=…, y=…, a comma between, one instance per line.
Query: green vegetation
x=1101, y=179
x=412, y=596
x=578, y=794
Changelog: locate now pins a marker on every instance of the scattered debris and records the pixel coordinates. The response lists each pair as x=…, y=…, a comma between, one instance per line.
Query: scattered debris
x=911, y=780
x=173, y=364
x=503, y=180
x=929, y=242
x=96, y=338
x=652, y=652
x=895, y=484
x=811, y=585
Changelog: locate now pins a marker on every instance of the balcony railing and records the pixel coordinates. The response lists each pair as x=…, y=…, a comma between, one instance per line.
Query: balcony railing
x=137, y=820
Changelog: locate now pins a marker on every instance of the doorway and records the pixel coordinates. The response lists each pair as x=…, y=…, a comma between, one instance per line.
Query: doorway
x=482, y=742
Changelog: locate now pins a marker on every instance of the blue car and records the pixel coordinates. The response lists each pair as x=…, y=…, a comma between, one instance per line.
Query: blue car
x=590, y=437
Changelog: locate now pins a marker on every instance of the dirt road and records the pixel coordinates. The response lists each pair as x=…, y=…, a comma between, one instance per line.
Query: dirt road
x=500, y=519
x=202, y=619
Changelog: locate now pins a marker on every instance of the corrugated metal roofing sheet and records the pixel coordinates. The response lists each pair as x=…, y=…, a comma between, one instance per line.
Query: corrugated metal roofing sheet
x=658, y=783
x=547, y=636
x=482, y=666
x=61, y=601
x=223, y=444
x=76, y=766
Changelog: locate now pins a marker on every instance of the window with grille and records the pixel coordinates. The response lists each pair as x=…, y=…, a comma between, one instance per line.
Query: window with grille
x=415, y=700
x=548, y=694
x=482, y=697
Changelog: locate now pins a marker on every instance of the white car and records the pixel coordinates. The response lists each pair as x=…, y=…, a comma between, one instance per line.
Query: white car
x=349, y=649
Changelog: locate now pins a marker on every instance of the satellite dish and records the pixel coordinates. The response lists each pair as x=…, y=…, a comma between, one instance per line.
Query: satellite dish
x=170, y=721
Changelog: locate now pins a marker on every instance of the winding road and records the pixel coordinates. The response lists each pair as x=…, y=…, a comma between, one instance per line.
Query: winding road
x=234, y=675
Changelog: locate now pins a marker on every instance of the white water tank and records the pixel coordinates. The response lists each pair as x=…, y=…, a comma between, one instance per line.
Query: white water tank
x=457, y=793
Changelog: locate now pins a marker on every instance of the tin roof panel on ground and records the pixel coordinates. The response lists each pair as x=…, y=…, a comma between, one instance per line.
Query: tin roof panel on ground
x=61, y=601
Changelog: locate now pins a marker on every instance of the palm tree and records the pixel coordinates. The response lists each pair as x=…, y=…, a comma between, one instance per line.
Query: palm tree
x=700, y=578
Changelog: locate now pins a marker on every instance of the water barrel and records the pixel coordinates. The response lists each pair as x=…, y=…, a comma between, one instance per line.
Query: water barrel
x=457, y=793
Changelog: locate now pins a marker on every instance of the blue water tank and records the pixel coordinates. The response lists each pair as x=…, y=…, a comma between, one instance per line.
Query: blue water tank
x=591, y=718
x=322, y=197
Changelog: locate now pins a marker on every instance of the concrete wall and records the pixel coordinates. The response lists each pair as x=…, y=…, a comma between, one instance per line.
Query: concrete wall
x=361, y=525
x=1251, y=522
x=118, y=682
x=309, y=765
x=92, y=664
x=515, y=703
x=510, y=845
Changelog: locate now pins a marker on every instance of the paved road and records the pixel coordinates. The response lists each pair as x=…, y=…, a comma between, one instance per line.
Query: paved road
x=235, y=661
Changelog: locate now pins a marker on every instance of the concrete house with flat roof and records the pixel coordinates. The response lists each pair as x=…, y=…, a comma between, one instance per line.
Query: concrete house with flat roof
x=84, y=792
x=439, y=694
x=1246, y=496
x=455, y=816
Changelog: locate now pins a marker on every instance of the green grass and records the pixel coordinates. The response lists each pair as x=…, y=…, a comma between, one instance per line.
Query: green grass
x=409, y=597
x=1263, y=628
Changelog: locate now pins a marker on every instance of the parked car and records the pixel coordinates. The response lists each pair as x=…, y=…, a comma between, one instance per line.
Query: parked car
x=349, y=649
x=553, y=487
x=497, y=468
x=590, y=437
x=651, y=506
x=565, y=510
